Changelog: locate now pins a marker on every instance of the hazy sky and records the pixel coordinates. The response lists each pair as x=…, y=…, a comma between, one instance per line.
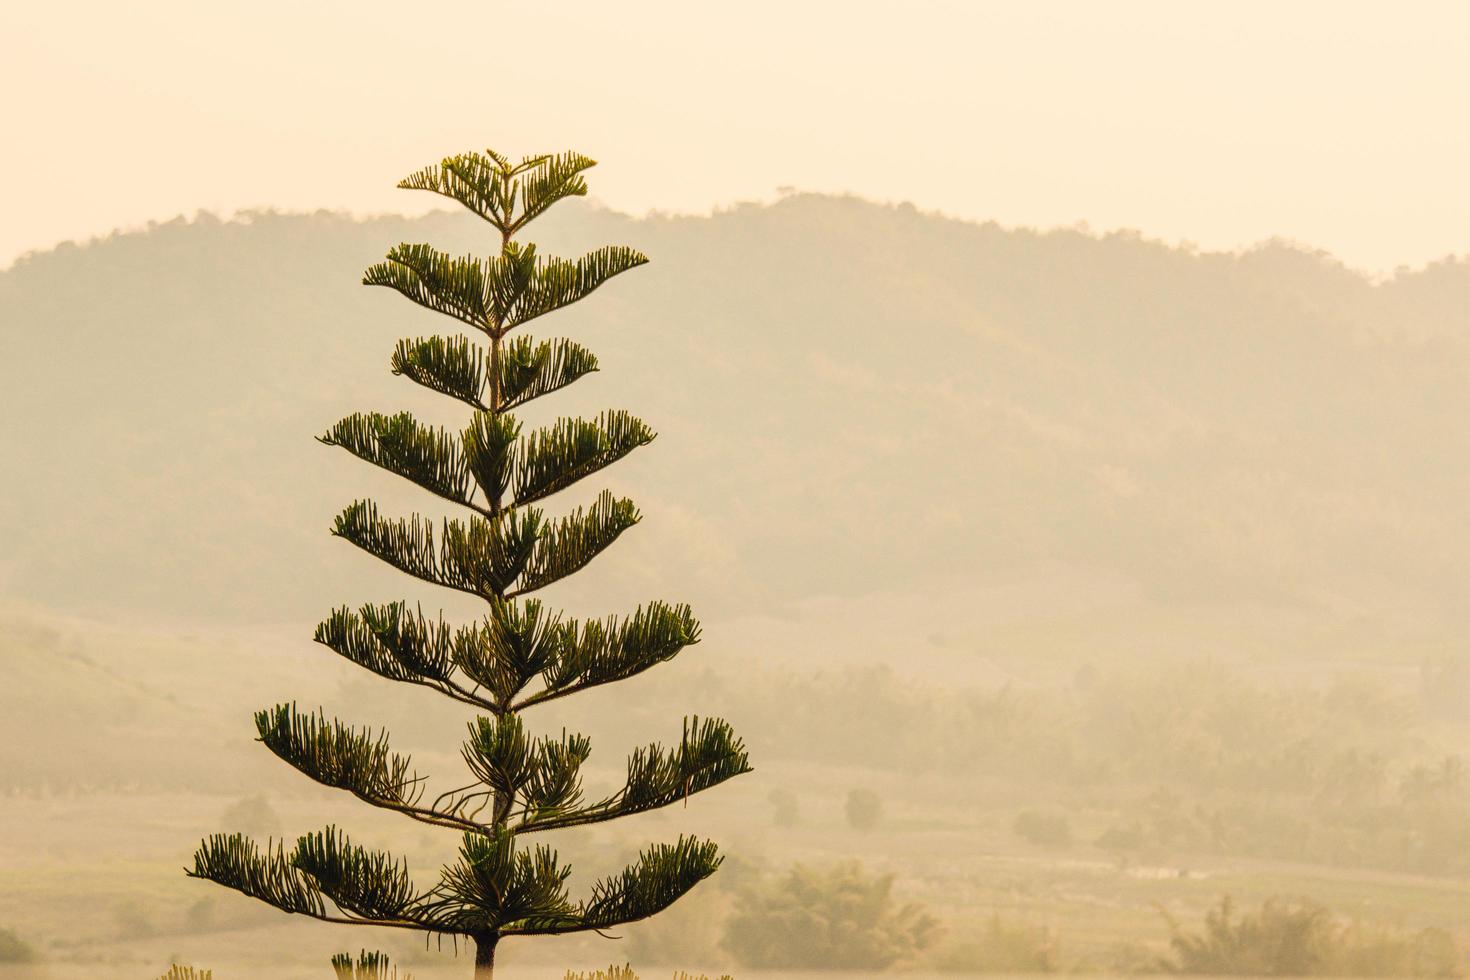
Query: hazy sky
x=1338, y=124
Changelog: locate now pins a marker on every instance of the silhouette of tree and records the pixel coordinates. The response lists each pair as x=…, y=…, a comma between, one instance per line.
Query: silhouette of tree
x=521, y=654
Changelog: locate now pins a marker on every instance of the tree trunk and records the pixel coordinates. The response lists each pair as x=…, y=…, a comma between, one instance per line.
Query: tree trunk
x=485, y=957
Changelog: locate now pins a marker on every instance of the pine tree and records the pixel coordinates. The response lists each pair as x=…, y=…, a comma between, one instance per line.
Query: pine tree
x=519, y=654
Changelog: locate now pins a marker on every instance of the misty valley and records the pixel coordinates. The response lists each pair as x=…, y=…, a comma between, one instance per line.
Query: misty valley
x=1085, y=604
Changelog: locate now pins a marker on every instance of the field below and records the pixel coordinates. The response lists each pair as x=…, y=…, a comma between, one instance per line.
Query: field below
x=99, y=911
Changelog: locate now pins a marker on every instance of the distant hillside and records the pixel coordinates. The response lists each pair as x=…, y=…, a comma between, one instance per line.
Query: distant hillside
x=855, y=401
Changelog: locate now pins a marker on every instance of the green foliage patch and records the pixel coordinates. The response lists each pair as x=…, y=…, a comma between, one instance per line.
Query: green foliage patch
x=837, y=917
x=1299, y=938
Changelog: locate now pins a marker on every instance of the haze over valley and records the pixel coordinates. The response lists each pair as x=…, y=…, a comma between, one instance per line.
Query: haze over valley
x=1125, y=576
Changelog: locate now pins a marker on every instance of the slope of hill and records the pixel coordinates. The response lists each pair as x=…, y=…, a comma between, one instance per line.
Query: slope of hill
x=997, y=463
x=855, y=402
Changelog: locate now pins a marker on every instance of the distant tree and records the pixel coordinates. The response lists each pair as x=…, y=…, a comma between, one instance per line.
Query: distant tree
x=199, y=916
x=520, y=654
x=1123, y=841
x=252, y=816
x=864, y=809
x=1444, y=783
x=134, y=919
x=1444, y=687
x=787, y=808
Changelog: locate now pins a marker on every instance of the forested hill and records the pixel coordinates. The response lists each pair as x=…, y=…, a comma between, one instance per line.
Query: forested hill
x=854, y=401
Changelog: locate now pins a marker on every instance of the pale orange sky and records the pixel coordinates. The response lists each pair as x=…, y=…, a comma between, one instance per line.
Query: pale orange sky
x=1337, y=124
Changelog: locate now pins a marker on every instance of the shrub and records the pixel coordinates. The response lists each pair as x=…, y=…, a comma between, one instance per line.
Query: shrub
x=1002, y=947
x=826, y=918
x=1302, y=938
x=1281, y=939
x=1362, y=951
x=1044, y=829
x=13, y=949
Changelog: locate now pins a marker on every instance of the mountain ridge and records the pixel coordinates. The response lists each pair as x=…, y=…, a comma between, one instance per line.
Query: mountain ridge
x=854, y=399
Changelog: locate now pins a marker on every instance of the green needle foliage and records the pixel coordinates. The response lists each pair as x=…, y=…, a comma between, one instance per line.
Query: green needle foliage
x=503, y=547
x=186, y=973
x=367, y=966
